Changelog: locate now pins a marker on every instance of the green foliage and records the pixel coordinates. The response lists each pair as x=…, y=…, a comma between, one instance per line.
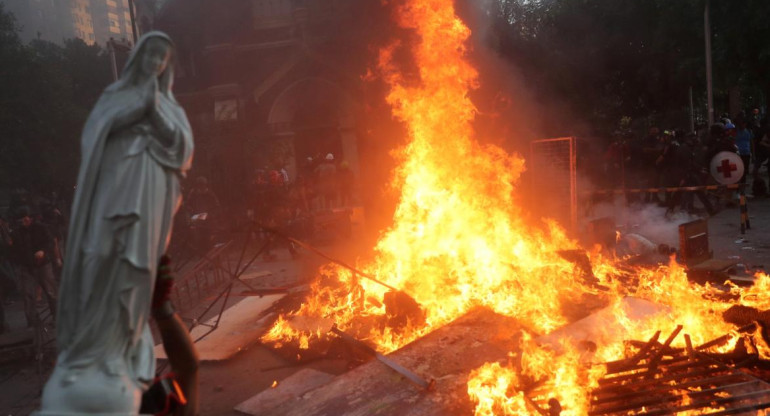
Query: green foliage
x=742, y=47
x=610, y=58
x=47, y=91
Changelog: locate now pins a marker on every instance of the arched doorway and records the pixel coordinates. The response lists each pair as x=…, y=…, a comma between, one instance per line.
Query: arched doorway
x=314, y=117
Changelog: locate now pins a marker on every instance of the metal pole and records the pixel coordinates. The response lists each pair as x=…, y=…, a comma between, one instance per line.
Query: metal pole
x=308, y=247
x=133, y=18
x=573, y=183
x=414, y=378
x=745, y=223
x=709, y=86
x=113, y=62
x=624, y=202
x=692, y=113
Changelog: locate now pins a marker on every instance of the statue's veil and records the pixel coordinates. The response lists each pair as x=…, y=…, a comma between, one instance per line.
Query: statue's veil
x=75, y=313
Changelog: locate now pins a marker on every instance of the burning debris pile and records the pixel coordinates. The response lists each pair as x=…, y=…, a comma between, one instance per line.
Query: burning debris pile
x=459, y=242
x=659, y=379
x=655, y=378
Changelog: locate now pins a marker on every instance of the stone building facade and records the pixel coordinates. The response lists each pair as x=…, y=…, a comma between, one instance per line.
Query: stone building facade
x=268, y=82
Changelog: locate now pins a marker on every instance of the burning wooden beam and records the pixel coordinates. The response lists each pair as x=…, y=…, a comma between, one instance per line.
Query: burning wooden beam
x=691, y=379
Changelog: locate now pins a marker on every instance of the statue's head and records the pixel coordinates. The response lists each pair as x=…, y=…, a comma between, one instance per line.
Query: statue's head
x=155, y=56
x=151, y=57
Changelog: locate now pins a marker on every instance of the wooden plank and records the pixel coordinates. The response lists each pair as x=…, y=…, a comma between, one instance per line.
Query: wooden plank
x=447, y=355
x=632, y=391
x=603, y=327
x=668, y=395
x=239, y=327
x=258, y=274
x=674, y=372
x=760, y=399
x=290, y=389
x=713, y=265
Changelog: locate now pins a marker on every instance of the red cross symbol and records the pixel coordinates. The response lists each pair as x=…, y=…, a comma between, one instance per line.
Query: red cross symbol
x=727, y=168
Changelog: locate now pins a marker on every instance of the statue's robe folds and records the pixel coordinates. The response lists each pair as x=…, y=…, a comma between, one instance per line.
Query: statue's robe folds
x=128, y=191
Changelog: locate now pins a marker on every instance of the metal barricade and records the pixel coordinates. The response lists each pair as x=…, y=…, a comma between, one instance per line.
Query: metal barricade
x=203, y=278
x=553, y=168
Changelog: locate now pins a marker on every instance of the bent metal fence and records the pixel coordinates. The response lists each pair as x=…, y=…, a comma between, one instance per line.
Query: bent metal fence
x=553, y=168
x=197, y=282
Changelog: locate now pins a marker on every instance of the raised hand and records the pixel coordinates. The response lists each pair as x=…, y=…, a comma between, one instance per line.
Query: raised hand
x=150, y=95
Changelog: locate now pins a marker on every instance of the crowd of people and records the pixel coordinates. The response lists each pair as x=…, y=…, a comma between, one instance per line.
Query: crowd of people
x=321, y=185
x=273, y=199
x=675, y=158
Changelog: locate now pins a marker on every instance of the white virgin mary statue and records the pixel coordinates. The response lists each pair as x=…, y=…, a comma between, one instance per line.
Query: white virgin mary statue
x=136, y=145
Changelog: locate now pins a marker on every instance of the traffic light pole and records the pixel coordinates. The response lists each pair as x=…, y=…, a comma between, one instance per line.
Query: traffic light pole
x=709, y=86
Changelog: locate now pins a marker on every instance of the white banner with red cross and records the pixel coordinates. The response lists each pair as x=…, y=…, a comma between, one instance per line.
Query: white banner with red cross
x=727, y=168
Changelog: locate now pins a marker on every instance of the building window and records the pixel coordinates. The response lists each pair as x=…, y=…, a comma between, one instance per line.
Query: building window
x=114, y=20
x=226, y=109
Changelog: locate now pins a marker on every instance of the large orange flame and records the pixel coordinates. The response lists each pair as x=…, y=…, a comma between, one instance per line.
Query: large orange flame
x=458, y=240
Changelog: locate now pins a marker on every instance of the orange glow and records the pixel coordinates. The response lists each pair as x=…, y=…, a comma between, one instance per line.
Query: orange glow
x=459, y=240
x=490, y=386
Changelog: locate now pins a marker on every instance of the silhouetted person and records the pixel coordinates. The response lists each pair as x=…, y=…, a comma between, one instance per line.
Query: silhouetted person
x=7, y=277
x=202, y=199
x=326, y=177
x=743, y=139
x=687, y=172
x=33, y=253
x=203, y=208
